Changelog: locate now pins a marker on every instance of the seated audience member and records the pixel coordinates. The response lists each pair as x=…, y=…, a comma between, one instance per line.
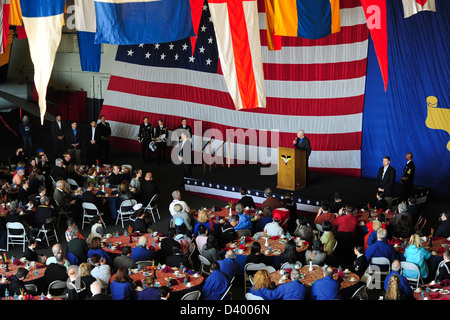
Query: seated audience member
x=96, y=290
x=326, y=288
x=55, y=271
x=346, y=223
x=228, y=265
x=142, y=222
x=246, y=201
x=58, y=172
x=265, y=219
x=443, y=229
x=30, y=252
x=148, y=189
x=122, y=287
x=43, y=212
x=24, y=192
x=124, y=193
x=255, y=256
x=210, y=249
x=141, y=252
x=404, y=285
x=324, y=214
x=360, y=264
x=93, y=177
x=149, y=292
x=41, y=192
x=413, y=210
x=100, y=270
x=417, y=254
x=315, y=254
x=216, y=284
x=167, y=243
x=178, y=209
x=176, y=196
x=177, y=258
x=381, y=203
x=381, y=248
x=337, y=203
x=273, y=228
x=228, y=233
x=201, y=237
x=245, y=221
x=187, y=245
x=77, y=289
x=77, y=246
x=271, y=201
x=444, y=270
x=16, y=285
x=84, y=272
x=327, y=239
x=13, y=216
x=57, y=250
x=95, y=247
x=262, y=285
x=62, y=197
x=291, y=205
x=124, y=260
x=284, y=215
x=400, y=226
x=72, y=223
x=393, y=291
x=292, y=290
x=115, y=177
x=205, y=220
x=372, y=236
x=97, y=230
x=304, y=230
x=290, y=253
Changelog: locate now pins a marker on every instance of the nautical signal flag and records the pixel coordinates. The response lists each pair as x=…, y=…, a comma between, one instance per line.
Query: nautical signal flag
x=411, y=7
x=301, y=18
x=43, y=21
x=127, y=22
x=236, y=25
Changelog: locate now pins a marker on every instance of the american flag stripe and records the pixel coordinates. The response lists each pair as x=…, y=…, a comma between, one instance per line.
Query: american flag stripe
x=316, y=85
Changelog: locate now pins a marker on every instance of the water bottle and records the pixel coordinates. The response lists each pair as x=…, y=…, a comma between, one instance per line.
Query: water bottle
x=6, y=293
x=42, y=296
x=256, y=237
x=15, y=296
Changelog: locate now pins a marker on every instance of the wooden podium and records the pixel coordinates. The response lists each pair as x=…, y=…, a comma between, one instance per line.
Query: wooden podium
x=291, y=169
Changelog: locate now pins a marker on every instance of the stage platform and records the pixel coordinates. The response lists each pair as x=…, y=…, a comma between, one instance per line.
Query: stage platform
x=224, y=184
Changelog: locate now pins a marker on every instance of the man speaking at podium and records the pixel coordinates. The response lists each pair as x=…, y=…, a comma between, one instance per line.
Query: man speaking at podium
x=301, y=142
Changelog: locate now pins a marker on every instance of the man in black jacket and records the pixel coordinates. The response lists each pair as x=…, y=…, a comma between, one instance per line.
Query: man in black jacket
x=145, y=137
x=92, y=137
x=148, y=188
x=58, y=171
x=43, y=212
x=160, y=140
x=408, y=176
x=386, y=179
x=104, y=141
x=73, y=137
x=58, y=129
x=301, y=142
x=96, y=290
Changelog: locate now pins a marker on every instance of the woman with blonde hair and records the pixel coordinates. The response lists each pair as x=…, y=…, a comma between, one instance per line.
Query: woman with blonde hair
x=204, y=219
x=393, y=290
x=262, y=285
x=84, y=272
x=92, y=176
x=417, y=254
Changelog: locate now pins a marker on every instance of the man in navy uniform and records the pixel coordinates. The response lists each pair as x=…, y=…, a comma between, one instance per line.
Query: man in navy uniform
x=408, y=176
x=145, y=137
x=160, y=140
x=301, y=142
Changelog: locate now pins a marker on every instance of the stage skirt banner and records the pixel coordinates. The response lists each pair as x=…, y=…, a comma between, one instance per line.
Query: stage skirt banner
x=314, y=85
x=413, y=115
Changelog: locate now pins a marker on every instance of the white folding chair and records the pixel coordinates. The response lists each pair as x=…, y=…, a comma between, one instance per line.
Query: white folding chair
x=375, y=265
x=90, y=210
x=58, y=285
x=269, y=269
x=61, y=212
x=48, y=228
x=288, y=265
x=193, y=295
x=125, y=215
x=437, y=271
x=259, y=234
x=204, y=264
x=72, y=183
x=129, y=167
x=227, y=292
x=251, y=296
x=152, y=207
x=360, y=294
x=251, y=267
x=411, y=267
x=31, y=287
x=13, y=239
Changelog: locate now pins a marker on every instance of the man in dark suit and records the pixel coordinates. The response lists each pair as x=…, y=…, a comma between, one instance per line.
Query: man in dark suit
x=145, y=137
x=160, y=140
x=96, y=289
x=301, y=142
x=58, y=128
x=246, y=201
x=185, y=156
x=43, y=212
x=386, y=179
x=93, y=137
x=73, y=137
x=103, y=143
x=408, y=176
x=413, y=210
x=148, y=188
x=58, y=171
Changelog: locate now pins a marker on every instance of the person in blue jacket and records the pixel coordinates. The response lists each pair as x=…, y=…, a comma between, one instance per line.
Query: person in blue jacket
x=405, y=287
x=245, y=221
x=326, y=288
x=149, y=292
x=216, y=284
x=141, y=252
x=229, y=266
x=262, y=285
x=292, y=290
x=122, y=287
x=381, y=248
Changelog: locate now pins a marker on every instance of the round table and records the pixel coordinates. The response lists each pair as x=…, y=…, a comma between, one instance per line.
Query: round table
x=437, y=292
x=38, y=297
x=110, y=194
x=31, y=278
x=163, y=276
x=366, y=216
x=277, y=245
x=122, y=240
x=309, y=277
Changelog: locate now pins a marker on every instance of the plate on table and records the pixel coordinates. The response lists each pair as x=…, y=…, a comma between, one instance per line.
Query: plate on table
x=352, y=279
x=444, y=291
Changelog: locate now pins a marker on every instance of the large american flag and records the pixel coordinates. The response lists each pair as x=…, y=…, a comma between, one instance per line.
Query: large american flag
x=315, y=85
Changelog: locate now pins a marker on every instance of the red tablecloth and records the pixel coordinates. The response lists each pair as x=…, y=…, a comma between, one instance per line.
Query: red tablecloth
x=123, y=240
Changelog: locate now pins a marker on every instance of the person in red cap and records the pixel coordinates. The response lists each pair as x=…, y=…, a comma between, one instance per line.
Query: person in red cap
x=273, y=228
x=284, y=214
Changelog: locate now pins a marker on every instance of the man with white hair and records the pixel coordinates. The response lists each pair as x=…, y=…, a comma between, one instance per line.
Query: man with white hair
x=62, y=197
x=96, y=289
x=381, y=248
x=301, y=142
x=58, y=171
x=176, y=196
x=57, y=250
x=141, y=252
x=292, y=290
x=228, y=265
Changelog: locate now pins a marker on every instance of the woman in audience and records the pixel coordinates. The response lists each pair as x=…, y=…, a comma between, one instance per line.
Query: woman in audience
x=96, y=228
x=327, y=238
x=203, y=219
x=202, y=237
x=185, y=241
x=262, y=285
x=92, y=176
x=122, y=287
x=256, y=256
x=210, y=249
x=177, y=258
x=304, y=230
x=290, y=253
x=393, y=291
x=124, y=192
x=265, y=219
x=95, y=247
x=417, y=254
x=316, y=254
x=84, y=272
x=135, y=183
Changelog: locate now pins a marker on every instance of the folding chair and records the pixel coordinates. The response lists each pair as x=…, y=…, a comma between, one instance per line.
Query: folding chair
x=72, y=183
x=251, y=296
x=13, y=239
x=411, y=267
x=360, y=294
x=251, y=267
x=204, y=263
x=193, y=295
x=58, y=285
x=87, y=216
x=61, y=212
x=125, y=215
x=152, y=207
x=31, y=287
x=288, y=265
x=420, y=224
x=227, y=292
x=437, y=271
x=46, y=228
x=374, y=269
